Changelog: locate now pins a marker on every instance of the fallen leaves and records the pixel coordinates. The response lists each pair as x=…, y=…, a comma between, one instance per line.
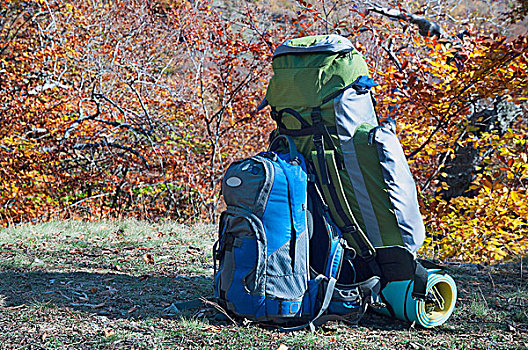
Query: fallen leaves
x=109, y=291
x=193, y=250
x=132, y=310
x=148, y=259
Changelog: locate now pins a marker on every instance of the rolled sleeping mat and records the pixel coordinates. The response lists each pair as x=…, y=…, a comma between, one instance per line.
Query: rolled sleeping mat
x=428, y=314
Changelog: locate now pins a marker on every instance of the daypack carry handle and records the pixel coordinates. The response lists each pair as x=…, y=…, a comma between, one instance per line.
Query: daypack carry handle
x=292, y=149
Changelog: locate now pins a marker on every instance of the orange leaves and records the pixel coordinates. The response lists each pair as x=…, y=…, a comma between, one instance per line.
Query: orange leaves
x=176, y=84
x=148, y=259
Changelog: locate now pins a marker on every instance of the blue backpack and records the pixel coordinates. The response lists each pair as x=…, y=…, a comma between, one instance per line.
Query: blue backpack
x=280, y=258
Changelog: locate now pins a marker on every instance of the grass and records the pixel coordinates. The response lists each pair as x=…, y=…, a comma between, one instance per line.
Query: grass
x=113, y=285
x=479, y=308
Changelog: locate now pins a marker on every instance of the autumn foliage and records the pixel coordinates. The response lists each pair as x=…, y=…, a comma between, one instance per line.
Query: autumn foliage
x=134, y=108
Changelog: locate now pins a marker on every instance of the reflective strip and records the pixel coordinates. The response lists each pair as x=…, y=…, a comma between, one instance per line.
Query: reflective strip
x=351, y=110
x=362, y=196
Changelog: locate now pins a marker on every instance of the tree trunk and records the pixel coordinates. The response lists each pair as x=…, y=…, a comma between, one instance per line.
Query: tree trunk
x=462, y=168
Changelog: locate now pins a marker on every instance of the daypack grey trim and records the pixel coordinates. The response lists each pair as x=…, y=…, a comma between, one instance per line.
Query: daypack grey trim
x=258, y=204
x=291, y=285
x=352, y=110
x=260, y=269
x=262, y=200
x=332, y=43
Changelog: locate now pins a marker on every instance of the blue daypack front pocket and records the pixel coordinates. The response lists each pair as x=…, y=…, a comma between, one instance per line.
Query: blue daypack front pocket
x=242, y=255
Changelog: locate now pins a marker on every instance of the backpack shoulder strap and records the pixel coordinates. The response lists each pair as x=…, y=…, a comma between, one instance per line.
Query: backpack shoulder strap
x=340, y=208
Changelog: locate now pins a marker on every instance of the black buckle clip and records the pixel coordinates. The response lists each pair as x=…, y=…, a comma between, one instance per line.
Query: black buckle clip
x=318, y=139
x=350, y=229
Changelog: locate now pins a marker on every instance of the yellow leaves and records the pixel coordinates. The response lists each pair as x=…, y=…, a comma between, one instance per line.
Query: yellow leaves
x=489, y=228
x=487, y=184
x=514, y=196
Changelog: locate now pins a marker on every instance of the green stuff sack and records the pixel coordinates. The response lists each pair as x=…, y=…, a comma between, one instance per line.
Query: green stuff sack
x=320, y=96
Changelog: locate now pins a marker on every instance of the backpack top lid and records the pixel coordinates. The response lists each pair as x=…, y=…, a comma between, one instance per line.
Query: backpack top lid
x=315, y=43
x=309, y=69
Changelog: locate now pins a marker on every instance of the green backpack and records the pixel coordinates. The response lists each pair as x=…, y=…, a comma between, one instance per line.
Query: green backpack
x=320, y=96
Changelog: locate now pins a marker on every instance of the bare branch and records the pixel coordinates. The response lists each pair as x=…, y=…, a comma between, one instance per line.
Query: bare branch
x=81, y=146
x=425, y=27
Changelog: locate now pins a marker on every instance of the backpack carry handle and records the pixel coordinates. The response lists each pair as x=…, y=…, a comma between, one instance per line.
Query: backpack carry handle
x=294, y=157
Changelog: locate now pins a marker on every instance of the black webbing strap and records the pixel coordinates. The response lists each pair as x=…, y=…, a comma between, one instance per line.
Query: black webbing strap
x=351, y=228
x=295, y=114
x=405, y=302
x=275, y=116
x=420, y=282
x=306, y=131
x=317, y=122
x=219, y=245
x=278, y=115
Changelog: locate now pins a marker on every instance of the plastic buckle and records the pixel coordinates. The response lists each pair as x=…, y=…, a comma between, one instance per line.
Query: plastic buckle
x=377, y=304
x=360, y=89
x=369, y=257
x=350, y=253
x=350, y=229
x=318, y=138
x=270, y=155
x=316, y=115
x=420, y=296
x=295, y=161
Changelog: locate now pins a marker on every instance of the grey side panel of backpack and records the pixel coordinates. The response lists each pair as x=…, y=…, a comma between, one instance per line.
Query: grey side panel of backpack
x=245, y=187
x=401, y=186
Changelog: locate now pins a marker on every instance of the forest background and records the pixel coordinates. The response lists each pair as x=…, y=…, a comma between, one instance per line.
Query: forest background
x=113, y=109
